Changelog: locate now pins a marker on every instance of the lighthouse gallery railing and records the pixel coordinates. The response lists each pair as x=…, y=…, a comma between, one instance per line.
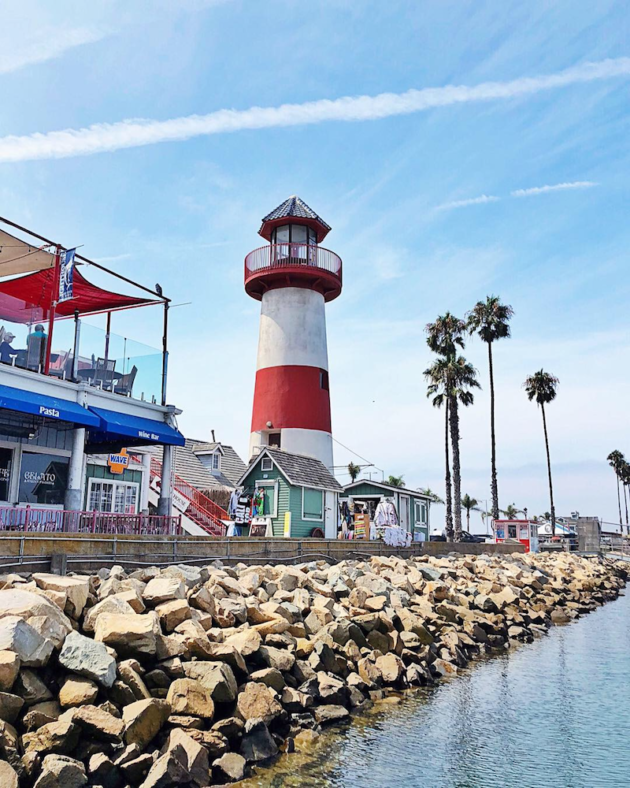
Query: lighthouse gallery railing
x=290, y=254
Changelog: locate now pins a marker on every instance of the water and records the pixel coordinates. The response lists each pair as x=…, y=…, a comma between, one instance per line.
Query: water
x=554, y=713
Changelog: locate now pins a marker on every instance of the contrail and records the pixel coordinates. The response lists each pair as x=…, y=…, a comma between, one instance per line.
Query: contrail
x=133, y=133
x=556, y=187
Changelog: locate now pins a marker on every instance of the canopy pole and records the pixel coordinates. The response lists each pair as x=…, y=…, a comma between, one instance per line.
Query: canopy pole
x=107, y=333
x=77, y=339
x=165, y=353
x=53, y=306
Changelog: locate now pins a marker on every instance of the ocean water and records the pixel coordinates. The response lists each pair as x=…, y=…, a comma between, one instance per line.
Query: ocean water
x=554, y=713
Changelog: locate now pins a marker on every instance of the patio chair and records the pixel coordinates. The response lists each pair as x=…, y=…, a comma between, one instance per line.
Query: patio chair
x=125, y=382
x=104, y=372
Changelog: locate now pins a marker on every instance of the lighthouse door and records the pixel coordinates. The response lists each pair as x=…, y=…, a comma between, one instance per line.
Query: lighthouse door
x=330, y=515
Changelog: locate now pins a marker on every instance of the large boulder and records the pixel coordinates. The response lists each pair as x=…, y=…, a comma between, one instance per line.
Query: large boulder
x=9, y=669
x=59, y=771
x=143, y=720
x=77, y=691
x=15, y=602
x=163, y=589
x=18, y=636
x=217, y=677
x=191, y=754
x=76, y=590
x=57, y=737
x=190, y=697
x=229, y=768
x=8, y=776
x=128, y=635
x=258, y=702
x=111, y=604
x=257, y=743
x=10, y=706
x=88, y=658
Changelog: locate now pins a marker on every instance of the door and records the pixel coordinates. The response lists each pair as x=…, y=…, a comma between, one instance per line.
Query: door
x=404, y=512
x=330, y=514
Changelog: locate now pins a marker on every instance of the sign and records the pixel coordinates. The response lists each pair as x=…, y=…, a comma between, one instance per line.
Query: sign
x=361, y=525
x=287, y=525
x=258, y=526
x=66, y=275
x=118, y=462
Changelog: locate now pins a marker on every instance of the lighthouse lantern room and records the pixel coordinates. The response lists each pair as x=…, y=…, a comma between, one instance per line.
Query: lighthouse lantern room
x=293, y=277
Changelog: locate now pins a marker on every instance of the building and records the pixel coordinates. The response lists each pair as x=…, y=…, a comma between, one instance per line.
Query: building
x=301, y=495
x=413, y=507
x=293, y=277
x=75, y=397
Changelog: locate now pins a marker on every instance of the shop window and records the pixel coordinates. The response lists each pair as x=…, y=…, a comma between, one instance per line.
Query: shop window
x=112, y=497
x=312, y=504
x=43, y=479
x=6, y=463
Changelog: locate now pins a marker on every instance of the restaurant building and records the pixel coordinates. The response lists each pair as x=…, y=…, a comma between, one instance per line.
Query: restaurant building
x=80, y=406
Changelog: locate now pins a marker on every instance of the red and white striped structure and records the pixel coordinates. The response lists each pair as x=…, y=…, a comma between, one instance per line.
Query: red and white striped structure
x=293, y=277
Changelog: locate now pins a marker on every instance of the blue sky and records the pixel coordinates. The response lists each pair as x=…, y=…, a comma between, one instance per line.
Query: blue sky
x=436, y=199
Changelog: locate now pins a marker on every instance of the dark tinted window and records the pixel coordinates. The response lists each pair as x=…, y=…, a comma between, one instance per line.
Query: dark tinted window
x=6, y=463
x=43, y=479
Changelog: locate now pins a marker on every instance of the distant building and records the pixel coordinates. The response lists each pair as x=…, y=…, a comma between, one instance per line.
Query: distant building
x=413, y=507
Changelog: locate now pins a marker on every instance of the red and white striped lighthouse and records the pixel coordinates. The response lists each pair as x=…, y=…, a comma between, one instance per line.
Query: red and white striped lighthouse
x=293, y=277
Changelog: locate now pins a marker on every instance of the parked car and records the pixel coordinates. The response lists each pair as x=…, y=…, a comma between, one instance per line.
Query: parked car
x=473, y=538
x=437, y=535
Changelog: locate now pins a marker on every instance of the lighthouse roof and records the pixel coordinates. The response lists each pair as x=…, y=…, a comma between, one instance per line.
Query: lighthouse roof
x=294, y=208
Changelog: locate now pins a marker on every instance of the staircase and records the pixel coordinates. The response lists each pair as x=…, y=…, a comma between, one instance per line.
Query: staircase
x=204, y=512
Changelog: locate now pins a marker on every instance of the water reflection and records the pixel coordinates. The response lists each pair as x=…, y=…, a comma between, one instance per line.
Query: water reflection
x=553, y=713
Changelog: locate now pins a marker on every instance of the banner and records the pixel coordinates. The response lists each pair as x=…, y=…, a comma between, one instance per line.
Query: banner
x=66, y=263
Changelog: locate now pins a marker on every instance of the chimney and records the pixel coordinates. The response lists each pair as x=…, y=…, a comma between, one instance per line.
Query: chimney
x=214, y=440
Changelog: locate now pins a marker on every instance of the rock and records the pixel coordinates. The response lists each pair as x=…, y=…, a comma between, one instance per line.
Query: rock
x=391, y=668
x=166, y=772
x=31, y=688
x=163, y=589
x=143, y=720
x=10, y=706
x=257, y=743
x=230, y=727
x=19, y=637
x=102, y=771
x=137, y=769
x=559, y=616
x=271, y=677
x=76, y=590
x=277, y=658
x=192, y=755
x=325, y=715
x=14, y=602
x=56, y=737
x=9, y=669
x=41, y=714
x=217, y=677
x=129, y=635
x=229, y=768
x=88, y=658
x=258, y=702
x=115, y=605
x=132, y=678
x=187, y=696
x=98, y=724
x=8, y=775
x=132, y=598
x=246, y=642
x=173, y=613
x=59, y=771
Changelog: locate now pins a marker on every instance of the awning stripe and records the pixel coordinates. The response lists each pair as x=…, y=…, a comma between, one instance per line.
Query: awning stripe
x=113, y=426
x=47, y=407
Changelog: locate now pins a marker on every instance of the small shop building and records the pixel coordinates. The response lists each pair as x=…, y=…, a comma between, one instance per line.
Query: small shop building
x=300, y=496
x=412, y=507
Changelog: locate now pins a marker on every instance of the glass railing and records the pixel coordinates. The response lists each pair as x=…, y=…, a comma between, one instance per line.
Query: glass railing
x=81, y=353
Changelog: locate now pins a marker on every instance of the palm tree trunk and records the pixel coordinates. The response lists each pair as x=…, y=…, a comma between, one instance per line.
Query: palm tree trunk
x=449, y=494
x=468, y=520
x=494, y=485
x=457, y=479
x=619, y=499
x=625, y=498
x=553, y=509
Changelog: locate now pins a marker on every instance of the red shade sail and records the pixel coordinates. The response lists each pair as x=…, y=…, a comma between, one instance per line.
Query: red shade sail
x=28, y=299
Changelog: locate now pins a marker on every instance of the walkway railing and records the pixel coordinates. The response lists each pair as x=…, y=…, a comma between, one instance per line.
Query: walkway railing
x=200, y=509
x=290, y=254
x=34, y=520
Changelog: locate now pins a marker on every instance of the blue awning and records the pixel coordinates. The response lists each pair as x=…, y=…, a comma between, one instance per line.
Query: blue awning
x=114, y=426
x=47, y=407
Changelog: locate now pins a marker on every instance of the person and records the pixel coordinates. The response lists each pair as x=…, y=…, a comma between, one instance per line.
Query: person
x=36, y=347
x=6, y=351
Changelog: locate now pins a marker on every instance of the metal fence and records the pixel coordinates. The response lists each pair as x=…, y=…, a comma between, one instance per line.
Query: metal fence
x=29, y=520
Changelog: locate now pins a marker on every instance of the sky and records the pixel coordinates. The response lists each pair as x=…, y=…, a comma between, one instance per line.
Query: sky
x=458, y=148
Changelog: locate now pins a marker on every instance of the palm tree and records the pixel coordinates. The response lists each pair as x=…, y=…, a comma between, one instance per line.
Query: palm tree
x=616, y=460
x=469, y=504
x=433, y=497
x=396, y=481
x=625, y=481
x=454, y=376
x=354, y=471
x=510, y=511
x=446, y=335
x=490, y=319
x=541, y=386
x=437, y=390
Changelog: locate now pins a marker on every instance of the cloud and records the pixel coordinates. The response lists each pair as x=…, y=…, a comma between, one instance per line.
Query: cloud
x=132, y=133
x=484, y=198
x=557, y=187
x=53, y=45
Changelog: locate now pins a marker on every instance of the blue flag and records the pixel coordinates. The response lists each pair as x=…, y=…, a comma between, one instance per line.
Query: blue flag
x=66, y=275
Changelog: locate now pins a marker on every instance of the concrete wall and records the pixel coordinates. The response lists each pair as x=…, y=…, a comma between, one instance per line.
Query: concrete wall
x=88, y=552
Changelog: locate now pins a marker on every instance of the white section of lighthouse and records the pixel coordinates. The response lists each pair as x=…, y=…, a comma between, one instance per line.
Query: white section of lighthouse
x=293, y=277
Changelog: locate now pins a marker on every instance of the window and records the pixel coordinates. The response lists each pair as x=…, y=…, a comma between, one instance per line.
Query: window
x=421, y=513
x=113, y=497
x=274, y=440
x=298, y=234
x=271, y=497
x=323, y=379
x=282, y=234
x=6, y=462
x=312, y=237
x=266, y=464
x=216, y=461
x=43, y=479
x=312, y=504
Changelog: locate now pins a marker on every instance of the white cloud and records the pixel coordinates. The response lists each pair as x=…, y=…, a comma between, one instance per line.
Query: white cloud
x=44, y=48
x=132, y=133
x=484, y=198
x=556, y=187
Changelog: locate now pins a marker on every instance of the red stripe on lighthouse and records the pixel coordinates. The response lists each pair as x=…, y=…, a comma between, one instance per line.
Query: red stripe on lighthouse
x=291, y=397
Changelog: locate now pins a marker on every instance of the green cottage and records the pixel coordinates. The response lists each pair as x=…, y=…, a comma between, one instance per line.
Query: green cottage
x=297, y=484
x=412, y=506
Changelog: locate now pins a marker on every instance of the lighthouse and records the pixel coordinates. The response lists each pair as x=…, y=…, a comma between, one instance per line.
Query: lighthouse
x=293, y=277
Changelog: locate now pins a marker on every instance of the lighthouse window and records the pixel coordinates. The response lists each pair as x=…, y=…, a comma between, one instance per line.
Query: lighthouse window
x=298, y=234
x=282, y=234
x=312, y=236
x=323, y=379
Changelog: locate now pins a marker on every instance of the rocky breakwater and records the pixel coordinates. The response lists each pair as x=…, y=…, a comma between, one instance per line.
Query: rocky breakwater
x=188, y=676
